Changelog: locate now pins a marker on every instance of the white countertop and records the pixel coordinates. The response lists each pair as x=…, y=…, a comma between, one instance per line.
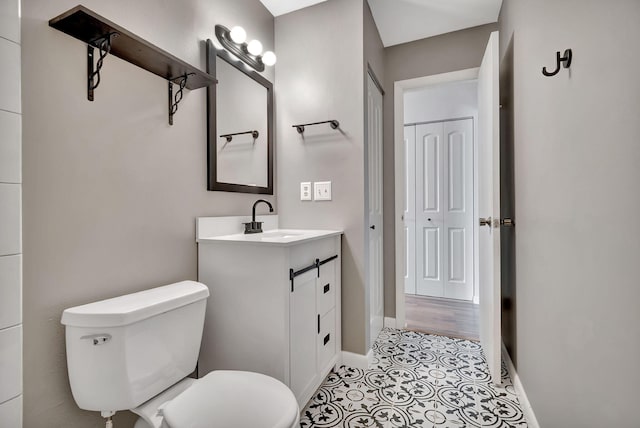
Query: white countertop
x=283, y=237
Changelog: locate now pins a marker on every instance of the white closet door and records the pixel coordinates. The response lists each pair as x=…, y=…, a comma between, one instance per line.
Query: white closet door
x=429, y=211
x=409, y=214
x=443, y=192
x=457, y=204
x=375, y=231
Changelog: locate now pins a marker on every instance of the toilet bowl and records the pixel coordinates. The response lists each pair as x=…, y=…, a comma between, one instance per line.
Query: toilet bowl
x=134, y=352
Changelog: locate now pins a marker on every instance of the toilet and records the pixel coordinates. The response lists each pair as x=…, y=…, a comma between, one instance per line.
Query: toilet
x=135, y=352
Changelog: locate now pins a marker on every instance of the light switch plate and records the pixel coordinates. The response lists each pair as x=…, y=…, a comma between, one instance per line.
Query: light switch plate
x=322, y=191
x=305, y=191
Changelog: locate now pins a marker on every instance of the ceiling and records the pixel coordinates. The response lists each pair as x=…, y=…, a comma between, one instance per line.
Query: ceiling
x=280, y=7
x=401, y=21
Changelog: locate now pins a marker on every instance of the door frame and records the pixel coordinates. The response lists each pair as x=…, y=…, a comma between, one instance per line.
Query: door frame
x=400, y=87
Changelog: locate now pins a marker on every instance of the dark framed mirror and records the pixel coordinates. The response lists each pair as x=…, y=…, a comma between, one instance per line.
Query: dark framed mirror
x=239, y=126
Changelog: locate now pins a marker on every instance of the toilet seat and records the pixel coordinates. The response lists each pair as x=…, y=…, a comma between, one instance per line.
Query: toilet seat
x=235, y=399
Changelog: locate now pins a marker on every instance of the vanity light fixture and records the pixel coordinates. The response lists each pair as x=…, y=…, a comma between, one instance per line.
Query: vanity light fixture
x=250, y=53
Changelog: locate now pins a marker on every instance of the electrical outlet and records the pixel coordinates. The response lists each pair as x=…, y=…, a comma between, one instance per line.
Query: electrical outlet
x=305, y=191
x=322, y=191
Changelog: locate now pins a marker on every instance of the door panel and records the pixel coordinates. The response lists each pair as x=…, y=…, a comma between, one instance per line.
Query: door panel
x=303, y=335
x=374, y=184
x=456, y=168
x=429, y=214
x=489, y=206
x=431, y=253
x=431, y=173
x=409, y=214
x=458, y=217
x=457, y=258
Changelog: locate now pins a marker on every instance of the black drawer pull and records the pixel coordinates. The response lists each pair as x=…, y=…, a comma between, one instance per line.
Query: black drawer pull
x=326, y=288
x=327, y=338
x=318, y=323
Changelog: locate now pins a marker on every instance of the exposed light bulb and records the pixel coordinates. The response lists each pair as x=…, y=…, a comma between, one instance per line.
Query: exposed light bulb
x=254, y=47
x=269, y=58
x=238, y=34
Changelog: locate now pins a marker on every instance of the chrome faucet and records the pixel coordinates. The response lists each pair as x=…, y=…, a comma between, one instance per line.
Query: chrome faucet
x=256, y=226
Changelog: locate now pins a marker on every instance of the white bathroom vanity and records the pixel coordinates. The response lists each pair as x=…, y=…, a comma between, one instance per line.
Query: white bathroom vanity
x=275, y=301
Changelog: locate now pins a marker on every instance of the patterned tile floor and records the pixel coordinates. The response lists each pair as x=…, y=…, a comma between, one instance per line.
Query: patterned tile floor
x=416, y=380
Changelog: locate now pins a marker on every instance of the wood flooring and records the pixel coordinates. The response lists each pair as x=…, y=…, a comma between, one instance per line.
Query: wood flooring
x=447, y=317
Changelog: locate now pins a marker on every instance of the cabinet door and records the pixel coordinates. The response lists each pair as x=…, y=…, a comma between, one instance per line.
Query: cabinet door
x=303, y=330
x=327, y=288
x=327, y=340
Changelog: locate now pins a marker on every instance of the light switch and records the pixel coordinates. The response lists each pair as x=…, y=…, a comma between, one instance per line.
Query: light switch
x=322, y=191
x=305, y=191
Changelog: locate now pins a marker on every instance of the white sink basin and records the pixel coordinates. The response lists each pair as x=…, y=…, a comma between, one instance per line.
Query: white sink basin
x=274, y=237
x=279, y=234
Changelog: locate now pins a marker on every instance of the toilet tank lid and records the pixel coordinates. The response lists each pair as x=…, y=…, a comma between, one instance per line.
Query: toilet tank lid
x=131, y=308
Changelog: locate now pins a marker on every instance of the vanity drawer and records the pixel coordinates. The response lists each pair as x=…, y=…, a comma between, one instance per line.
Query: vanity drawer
x=327, y=339
x=326, y=289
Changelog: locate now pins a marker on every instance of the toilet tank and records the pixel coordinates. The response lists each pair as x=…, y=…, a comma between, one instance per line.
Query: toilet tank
x=123, y=351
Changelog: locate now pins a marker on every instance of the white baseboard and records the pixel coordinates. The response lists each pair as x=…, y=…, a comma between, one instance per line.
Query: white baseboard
x=390, y=322
x=532, y=422
x=357, y=361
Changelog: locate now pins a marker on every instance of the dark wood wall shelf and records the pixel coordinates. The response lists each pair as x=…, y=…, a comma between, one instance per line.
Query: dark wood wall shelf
x=107, y=37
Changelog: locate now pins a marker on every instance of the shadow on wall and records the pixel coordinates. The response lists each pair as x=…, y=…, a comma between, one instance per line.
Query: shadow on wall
x=507, y=203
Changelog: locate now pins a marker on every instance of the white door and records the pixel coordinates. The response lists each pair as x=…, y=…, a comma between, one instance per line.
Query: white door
x=374, y=184
x=444, y=209
x=409, y=211
x=489, y=206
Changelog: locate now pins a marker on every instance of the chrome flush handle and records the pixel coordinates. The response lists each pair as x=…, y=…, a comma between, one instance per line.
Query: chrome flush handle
x=97, y=339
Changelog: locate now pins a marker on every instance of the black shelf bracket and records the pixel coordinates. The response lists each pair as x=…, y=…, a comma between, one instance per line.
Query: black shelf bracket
x=93, y=72
x=174, y=100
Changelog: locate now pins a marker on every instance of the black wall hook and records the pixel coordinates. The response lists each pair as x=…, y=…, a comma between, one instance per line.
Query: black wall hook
x=565, y=61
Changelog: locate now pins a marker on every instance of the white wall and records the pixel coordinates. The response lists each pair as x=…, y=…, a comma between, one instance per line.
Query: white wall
x=441, y=102
x=577, y=174
x=10, y=217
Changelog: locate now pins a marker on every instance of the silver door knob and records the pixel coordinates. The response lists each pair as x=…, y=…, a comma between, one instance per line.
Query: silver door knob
x=485, y=221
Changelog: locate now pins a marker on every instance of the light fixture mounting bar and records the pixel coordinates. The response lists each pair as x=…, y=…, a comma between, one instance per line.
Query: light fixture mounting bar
x=238, y=49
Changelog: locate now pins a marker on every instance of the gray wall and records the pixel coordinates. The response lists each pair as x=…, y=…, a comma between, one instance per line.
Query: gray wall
x=576, y=171
x=374, y=54
x=111, y=191
x=319, y=77
x=441, y=54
